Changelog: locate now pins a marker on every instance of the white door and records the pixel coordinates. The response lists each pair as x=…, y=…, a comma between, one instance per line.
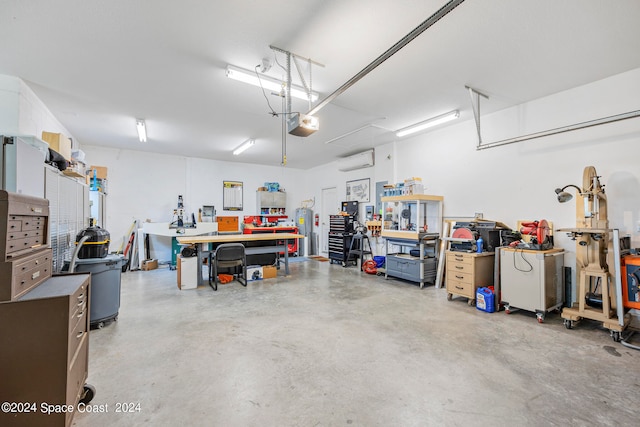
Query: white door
x=329, y=206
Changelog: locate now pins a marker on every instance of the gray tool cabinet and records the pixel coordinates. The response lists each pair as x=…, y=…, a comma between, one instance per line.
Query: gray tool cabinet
x=532, y=280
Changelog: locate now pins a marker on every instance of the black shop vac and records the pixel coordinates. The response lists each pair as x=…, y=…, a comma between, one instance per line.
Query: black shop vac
x=92, y=255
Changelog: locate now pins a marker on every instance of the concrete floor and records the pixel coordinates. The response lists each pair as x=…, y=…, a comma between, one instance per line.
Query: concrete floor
x=330, y=346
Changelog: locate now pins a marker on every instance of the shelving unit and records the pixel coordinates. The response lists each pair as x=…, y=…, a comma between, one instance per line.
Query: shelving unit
x=415, y=222
x=271, y=202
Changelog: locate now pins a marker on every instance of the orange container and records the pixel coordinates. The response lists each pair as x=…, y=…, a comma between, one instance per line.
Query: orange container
x=631, y=281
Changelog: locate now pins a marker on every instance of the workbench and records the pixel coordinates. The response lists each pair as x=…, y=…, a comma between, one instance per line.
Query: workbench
x=280, y=244
x=164, y=229
x=251, y=229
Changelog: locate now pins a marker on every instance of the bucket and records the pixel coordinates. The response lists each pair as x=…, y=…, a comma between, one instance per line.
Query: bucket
x=485, y=300
x=379, y=261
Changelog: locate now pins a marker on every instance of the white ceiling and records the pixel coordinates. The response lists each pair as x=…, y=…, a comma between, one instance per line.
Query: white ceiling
x=99, y=64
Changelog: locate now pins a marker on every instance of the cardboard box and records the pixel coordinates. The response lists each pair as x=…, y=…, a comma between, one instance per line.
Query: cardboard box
x=149, y=264
x=254, y=272
x=101, y=171
x=269, y=272
x=59, y=143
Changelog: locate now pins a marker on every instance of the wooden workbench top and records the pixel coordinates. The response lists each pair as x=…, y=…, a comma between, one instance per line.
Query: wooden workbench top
x=229, y=238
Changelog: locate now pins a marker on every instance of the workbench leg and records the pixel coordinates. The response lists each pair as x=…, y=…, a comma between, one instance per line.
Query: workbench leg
x=286, y=257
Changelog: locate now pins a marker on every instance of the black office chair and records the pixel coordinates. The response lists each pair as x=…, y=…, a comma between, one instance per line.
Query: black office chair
x=228, y=256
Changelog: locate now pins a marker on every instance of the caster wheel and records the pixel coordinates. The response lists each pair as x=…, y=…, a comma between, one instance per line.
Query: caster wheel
x=100, y=325
x=471, y=302
x=507, y=311
x=88, y=393
x=540, y=319
x=568, y=324
x=615, y=335
x=344, y=264
x=449, y=296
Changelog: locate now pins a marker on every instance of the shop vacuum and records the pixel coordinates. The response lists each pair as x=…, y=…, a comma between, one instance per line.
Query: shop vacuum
x=92, y=255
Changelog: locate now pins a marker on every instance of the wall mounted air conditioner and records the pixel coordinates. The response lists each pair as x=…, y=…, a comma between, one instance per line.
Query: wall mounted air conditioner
x=357, y=161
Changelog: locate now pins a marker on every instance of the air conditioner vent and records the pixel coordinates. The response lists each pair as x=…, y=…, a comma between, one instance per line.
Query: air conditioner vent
x=357, y=161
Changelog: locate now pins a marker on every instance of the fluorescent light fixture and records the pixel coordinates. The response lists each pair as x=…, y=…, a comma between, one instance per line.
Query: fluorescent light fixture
x=434, y=121
x=270, y=83
x=142, y=130
x=248, y=143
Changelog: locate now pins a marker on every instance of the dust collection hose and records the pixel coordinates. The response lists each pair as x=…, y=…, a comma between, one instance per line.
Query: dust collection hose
x=625, y=341
x=74, y=257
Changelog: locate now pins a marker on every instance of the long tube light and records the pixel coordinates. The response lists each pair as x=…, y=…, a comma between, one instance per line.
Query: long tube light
x=267, y=82
x=434, y=121
x=142, y=130
x=248, y=143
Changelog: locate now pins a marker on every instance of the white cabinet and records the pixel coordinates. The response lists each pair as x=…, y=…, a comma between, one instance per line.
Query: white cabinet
x=411, y=216
x=271, y=202
x=98, y=206
x=22, y=165
x=68, y=213
x=532, y=280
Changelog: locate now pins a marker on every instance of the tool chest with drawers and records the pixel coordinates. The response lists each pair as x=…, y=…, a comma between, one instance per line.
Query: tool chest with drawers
x=44, y=319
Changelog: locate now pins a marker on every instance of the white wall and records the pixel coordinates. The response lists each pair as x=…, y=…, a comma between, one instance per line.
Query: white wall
x=517, y=181
x=505, y=183
x=145, y=186
x=23, y=113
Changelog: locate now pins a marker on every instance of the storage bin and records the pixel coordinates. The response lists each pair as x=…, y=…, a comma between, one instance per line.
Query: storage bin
x=379, y=260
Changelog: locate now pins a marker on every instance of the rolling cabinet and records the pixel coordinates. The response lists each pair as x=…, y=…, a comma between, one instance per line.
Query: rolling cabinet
x=414, y=266
x=340, y=236
x=466, y=272
x=412, y=221
x=532, y=280
x=44, y=337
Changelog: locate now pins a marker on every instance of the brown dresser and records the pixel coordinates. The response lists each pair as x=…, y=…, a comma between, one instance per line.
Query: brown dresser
x=468, y=271
x=44, y=322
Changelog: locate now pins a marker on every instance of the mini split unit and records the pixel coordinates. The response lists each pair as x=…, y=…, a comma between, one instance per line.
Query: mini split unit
x=357, y=161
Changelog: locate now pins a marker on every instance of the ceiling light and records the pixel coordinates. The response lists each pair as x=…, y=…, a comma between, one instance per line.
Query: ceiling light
x=434, y=121
x=142, y=130
x=248, y=143
x=266, y=82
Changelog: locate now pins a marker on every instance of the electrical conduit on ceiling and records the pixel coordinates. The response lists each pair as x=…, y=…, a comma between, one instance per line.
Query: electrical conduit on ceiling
x=555, y=131
x=448, y=7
